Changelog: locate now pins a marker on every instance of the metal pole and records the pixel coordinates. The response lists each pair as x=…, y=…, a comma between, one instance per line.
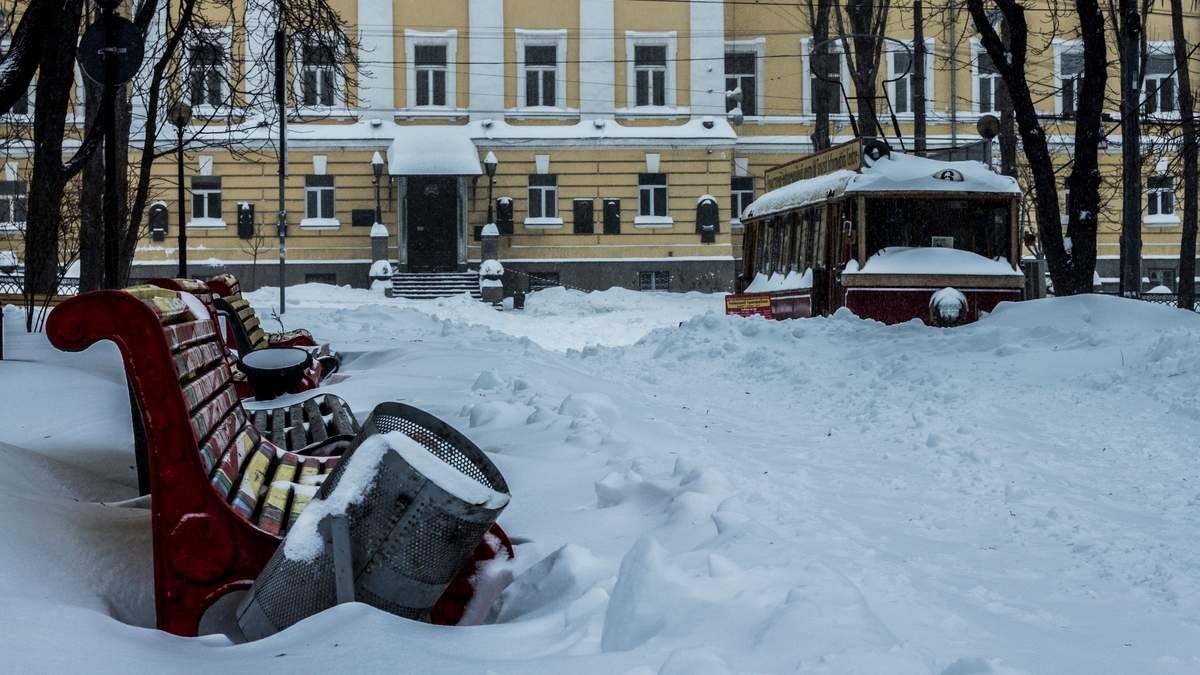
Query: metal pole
x=490, y=219
x=1130, y=36
x=183, y=270
x=378, y=212
x=109, y=111
x=281, y=101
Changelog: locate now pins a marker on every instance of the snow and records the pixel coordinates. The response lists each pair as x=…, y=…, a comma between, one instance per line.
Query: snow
x=304, y=541
x=924, y=260
x=829, y=495
x=379, y=230
x=432, y=149
x=381, y=269
x=949, y=302
x=790, y=281
x=490, y=230
x=1159, y=289
x=445, y=476
x=491, y=268
x=798, y=194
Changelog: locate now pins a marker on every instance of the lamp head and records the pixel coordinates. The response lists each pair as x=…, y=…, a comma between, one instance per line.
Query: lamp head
x=180, y=113
x=489, y=164
x=377, y=165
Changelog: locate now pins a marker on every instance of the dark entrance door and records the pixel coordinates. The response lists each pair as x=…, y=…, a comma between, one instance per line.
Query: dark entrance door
x=431, y=203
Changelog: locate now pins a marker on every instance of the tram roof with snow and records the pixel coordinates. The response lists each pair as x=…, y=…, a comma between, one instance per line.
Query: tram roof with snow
x=891, y=236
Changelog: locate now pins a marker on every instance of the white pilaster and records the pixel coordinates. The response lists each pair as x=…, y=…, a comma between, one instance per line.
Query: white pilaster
x=596, y=62
x=486, y=54
x=376, y=88
x=260, y=58
x=708, y=58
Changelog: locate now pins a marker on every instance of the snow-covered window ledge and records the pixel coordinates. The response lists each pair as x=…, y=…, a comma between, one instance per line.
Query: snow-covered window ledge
x=431, y=112
x=543, y=223
x=320, y=223
x=206, y=223
x=653, y=221
x=319, y=112
x=654, y=111
x=1162, y=220
x=218, y=112
x=541, y=112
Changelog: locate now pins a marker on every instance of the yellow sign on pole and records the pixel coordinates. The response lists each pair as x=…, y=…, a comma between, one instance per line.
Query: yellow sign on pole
x=845, y=156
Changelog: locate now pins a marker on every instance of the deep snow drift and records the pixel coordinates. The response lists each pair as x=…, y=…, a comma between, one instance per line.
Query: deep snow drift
x=730, y=495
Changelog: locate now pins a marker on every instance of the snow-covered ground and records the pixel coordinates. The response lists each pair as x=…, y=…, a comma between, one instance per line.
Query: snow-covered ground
x=731, y=495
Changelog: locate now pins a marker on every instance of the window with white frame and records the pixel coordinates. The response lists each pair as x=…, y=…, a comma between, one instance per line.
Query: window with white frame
x=541, y=75
x=652, y=194
x=318, y=198
x=207, y=74
x=1159, y=93
x=650, y=73
x=903, y=90
x=431, y=66
x=318, y=73
x=654, y=281
x=832, y=67
x=1160, y=195
x=741, y=74
x=206, y=200
x=1070, y=74
x=741, y=189
x=543, y=196
x=988, y=83
x=14, y=200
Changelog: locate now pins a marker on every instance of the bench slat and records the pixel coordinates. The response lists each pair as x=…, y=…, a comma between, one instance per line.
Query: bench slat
x=180, y=336
x=200, y=390
x=197, y=359
x=218, y=441
x=279, y=428
x=342, y=422
x=258, y=468
x=316, y=422
x=274, y=511
x=232, y=462
x=295, y=436
x=209, y=416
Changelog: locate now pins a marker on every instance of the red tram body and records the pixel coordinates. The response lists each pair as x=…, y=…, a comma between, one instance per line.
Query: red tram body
x=891, y=237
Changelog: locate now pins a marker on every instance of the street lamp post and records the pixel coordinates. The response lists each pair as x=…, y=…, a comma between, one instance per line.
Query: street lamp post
x=377, y=170
x=180, y=115
x=489, y=165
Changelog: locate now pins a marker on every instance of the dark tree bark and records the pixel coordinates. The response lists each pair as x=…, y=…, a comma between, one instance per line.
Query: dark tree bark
x=1071, y=269
x=1130, y=39
x=20, y=62
x=91, y=192
x=819, y=61
x=56, y=75
x=868, y=23
x=1191, y=171
x=918, y=64
x=1008, y=129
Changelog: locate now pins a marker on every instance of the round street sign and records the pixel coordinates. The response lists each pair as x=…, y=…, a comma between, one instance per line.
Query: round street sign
x=129, y=50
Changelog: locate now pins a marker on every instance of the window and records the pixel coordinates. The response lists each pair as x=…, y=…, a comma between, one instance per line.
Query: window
x=318, y=73
x=1160, y=84
x=206, y=72
x=652, y=194
x=319, y=199
x=832, y=66
x=1160, y=195
x=430, y=62
x=650, y=71
x=541, y=74
x=988, y=82
x=321, y=278
x=14, y=199
x=742, y=192
x=1066, y=212
x=740, y=74
x=1070, y=70
x=206, y=201
x=543, y=196
x=654, y=281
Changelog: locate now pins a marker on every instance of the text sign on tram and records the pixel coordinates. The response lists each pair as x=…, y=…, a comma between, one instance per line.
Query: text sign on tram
x=845, y=156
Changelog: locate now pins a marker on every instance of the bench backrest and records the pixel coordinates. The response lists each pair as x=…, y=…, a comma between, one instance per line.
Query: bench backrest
x=184, y=388
x=230, y=290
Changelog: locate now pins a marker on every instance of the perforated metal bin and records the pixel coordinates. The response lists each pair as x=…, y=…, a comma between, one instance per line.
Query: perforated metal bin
x=408, y=538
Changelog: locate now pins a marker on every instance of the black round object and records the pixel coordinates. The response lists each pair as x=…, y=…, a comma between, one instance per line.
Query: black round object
x=275, y=371
x=128, y=39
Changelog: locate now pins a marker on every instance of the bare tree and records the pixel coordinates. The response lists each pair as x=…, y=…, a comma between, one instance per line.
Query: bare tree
x=868, y=25
x=820, y=61
x=1071, y=260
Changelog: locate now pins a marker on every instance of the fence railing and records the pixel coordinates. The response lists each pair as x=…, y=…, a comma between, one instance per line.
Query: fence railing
x=13, y=283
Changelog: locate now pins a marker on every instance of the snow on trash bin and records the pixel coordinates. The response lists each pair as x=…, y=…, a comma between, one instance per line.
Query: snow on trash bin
x=415, y=498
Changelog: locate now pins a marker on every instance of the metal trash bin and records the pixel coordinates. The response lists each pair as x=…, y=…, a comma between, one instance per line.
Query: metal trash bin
x=407, y=536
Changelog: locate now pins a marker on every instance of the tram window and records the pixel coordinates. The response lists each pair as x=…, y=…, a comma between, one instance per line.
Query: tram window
x=978, y=225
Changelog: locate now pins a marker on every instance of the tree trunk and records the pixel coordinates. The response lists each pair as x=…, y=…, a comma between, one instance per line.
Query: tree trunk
x=91, y=190
x=868, y=22
x=819, y=58
x=1130, y=40
x=1083, y=220
x=1008, y=131
x=56, y=77
x=1191, y=172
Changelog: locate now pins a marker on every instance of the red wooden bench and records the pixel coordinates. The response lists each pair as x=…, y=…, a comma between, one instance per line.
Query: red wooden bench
x=222, y=495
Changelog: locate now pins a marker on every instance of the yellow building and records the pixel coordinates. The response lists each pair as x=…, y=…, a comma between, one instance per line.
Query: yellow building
x=609, y=120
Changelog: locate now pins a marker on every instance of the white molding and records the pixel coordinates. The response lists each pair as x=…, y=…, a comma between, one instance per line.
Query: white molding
x=758, y=46
x=449, y=38
x=320, y=163
x=542, y=223
x=930, y=92
x=653, y=222
x=204, y=165
x=706, y=58
x=485, y=52
x=320, y=223
x=670, y=40
x=377, y=44
x=206, y=224
x=541, y=163
x=555, y=37
x=653, y=162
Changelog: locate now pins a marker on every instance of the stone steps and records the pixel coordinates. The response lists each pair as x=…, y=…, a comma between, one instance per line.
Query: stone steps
x=421, y=285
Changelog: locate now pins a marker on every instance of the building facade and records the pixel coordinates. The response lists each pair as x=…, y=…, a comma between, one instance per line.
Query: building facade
x=610, y=123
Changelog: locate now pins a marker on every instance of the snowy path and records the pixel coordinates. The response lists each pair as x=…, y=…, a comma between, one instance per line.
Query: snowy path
x=820, y=496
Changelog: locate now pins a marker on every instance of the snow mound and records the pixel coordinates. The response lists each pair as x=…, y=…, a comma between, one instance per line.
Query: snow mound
x=925, y=259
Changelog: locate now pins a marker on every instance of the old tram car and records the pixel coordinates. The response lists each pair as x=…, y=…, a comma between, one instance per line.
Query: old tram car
x=889, y=236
